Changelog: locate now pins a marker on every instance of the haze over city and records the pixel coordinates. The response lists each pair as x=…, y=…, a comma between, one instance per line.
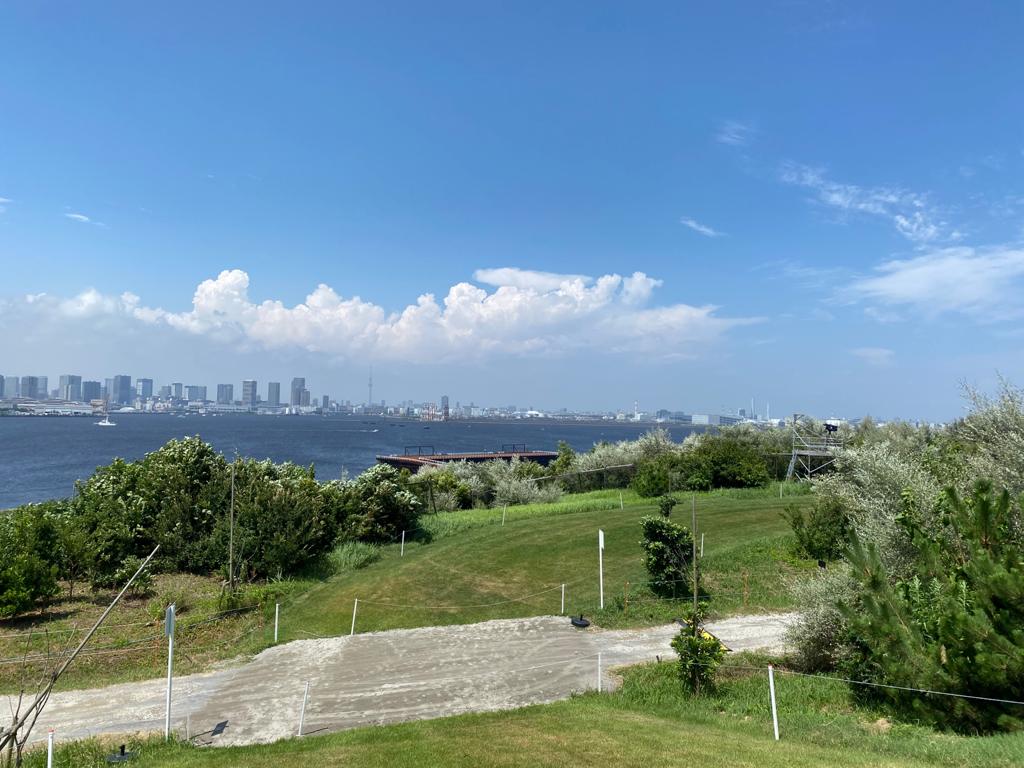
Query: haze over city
x=578, y=208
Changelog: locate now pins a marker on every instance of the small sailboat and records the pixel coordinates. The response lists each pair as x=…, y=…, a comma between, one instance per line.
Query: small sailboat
x=106, y=422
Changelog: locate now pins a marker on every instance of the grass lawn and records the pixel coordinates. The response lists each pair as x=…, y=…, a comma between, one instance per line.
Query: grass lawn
x=475, y=569
x=649, y=722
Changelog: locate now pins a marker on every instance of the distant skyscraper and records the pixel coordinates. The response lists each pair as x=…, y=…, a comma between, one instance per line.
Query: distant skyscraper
x=44, y=388
x=298, y=387
x=3, y=383
x=122, y=393
x=166, y=391
x=179, y=390
x=30, y=387
x=326, y=403
x=70, y=387
x=91, y=390
x=144, y=388
x=195, y=393
x=225, y=394
x=249, y=396
x=304, y=397
x=274, y=393
x=12, y=387
x=444, y=407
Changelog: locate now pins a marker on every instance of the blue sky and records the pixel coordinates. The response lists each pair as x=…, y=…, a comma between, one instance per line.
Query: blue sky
x=817, y=204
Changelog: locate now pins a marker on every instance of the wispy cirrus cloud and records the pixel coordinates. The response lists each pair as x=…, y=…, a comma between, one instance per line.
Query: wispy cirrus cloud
x=735, y=133
x=79, y=217
x=526, y=314
x=984, y=284
x=3, y=203
x=702, y=229
x=911, y=213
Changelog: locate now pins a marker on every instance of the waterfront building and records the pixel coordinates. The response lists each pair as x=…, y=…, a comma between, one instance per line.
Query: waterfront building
x=445, y=413
x=70, y=387
x=144, y=388
x=11, y=387
x=179, y=390
x=274, y=393
x=165, y=392
x=122, y=392
x=326, y=403
x=298, y=387
x=249, y=396
x=30, y=387
x=304, y=398
x=91, y=390
x=195, y=392
x=225, y=394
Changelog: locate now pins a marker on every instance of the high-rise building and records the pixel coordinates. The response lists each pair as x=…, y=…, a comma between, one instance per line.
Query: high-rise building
x=445, y=413
x=70, y=387
x=122, y=392
x=11, y=387
x=225, y=394
x=195, y=393
x=44, y=388
x=326, y=403
x=298, y=387
x=179, y=390
x=30, y=387
x=304, y=397
x=274, y=393
x=91, y=390
x=165, y=392
x=249, y=396
x=144, y=388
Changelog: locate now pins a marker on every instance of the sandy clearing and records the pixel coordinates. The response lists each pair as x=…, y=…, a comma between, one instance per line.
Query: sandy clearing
x=384, y=677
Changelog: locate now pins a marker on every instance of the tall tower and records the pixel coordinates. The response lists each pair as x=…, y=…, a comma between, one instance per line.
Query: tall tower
x=370, y=387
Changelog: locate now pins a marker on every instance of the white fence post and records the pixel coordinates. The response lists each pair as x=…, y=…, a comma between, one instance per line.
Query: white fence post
x=355, y=607
x=49, y=749
x=504, y=509
x=563, y=599
x=302, y=712
x=598, y=671
x=621, y=505
x=277, y=616
x=169, y=631
x=600, y=564
x=771, y=692
x=702, y=545
x=402, y=553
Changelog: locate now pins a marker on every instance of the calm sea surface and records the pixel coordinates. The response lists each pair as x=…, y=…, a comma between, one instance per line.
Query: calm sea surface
x=41, y=457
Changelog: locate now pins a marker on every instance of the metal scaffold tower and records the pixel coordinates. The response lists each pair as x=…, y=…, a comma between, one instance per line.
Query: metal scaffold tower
x=815, y=446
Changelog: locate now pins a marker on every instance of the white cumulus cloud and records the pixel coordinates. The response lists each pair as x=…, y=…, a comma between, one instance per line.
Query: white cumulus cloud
x=525, y=313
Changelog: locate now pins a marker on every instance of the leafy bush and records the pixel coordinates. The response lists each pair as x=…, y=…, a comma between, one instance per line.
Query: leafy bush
x=955, y=624
x=378, y=506
x=823, y=533
x=668, y=555
x=700, y=655
x=143, y=584
x=29, y=548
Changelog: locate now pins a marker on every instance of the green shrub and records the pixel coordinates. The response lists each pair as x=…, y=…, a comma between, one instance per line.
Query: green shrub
x=668, y=555
x=29, y=549
x=823, y=533
x=955, y=624
x=143, y=584
x=700, y=655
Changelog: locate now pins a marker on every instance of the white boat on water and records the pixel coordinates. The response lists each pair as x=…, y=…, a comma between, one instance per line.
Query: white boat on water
x=106, y=421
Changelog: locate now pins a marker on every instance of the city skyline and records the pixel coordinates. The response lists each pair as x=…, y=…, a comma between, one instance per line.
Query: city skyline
x=817, y=203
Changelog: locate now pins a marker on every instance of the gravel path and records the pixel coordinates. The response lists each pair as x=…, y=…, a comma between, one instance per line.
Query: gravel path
x=384, y=677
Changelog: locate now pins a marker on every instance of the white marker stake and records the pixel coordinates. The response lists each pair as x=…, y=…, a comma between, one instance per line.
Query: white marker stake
x=302, y=712
x=504, y=509
x=277, y=616
x=600, y=563
x=621, y=505
x=598, y=671
x=169, y=631
x=355, y=607
x=49, y=749
x=702, y=545
x=771, y=691
x=563, y=599
x=402, y=554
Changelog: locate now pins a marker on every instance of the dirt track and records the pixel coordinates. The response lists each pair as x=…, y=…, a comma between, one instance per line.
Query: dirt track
x=384, y=677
